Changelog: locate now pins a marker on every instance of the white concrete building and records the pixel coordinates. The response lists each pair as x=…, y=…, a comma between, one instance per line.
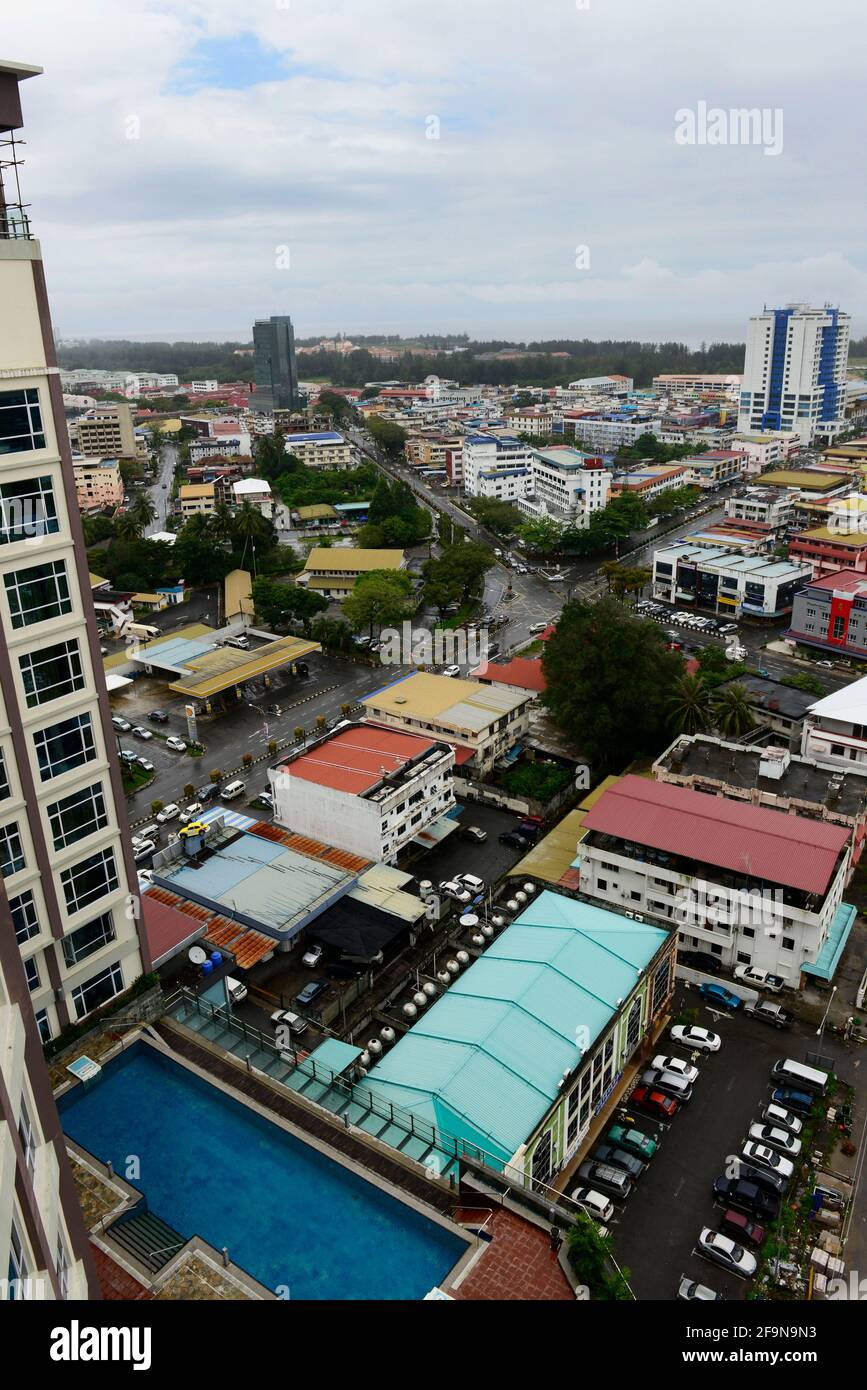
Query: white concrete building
x=795, y=372
x=256, y=491
x=481, y=722
x=567, y=486
x=725, y=582
x=368, y=790
x=496, y=466
x=607, y=436
x=835, y=728
x=751, y=885
x=765, y=449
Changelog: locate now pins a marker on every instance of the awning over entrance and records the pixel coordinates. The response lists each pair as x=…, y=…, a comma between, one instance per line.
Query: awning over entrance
x=829, y=957
x=436, y=832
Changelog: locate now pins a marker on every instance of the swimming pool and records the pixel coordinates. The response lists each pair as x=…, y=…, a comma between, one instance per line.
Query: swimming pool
x=212, y=1167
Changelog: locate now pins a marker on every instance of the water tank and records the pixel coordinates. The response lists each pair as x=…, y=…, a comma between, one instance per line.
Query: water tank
x=425, y=886
x=216, y=958
x=487, y=931
x=387, y=1034
x=529, y=889
x=374, y=1047
x=520, y=897
x=512, y=905
x=420, y=1000
x=452, y=967
x=498, y=919
x=207, y=967
x=462, y=957
x=444, y=978
x=430, y=989
x=477, y=939
x=410, y=1010
x=364, y=1060
x=469, y=920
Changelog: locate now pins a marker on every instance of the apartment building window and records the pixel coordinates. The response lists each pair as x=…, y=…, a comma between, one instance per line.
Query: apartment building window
x=17, y=1271
x=661, y=984
x=11, y=850
x=27, y=509
x=51, y=673
x=5, y=789
x=24, y=916
x=63, y=746
x=89, y=939
x=27, y=1135
x=91, y=879
x=787, y=943
x=38, y=593
x=20, y=421
x=43, y=1024
x=98, y=990
x=77, y=816
x=31, y=972
x=633, y=1025
x=61, y=1264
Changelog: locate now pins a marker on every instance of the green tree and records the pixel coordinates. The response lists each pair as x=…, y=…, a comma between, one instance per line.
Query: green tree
x=732, y=713
x=690, y=706
x=389, y=436
x=609, y=681
x=543, y=535
x=495, y=515
x=381, y=598
x=128, y=526
x=144, y=510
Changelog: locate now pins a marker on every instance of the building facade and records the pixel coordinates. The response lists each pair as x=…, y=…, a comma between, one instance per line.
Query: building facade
x=795, y=372
x=274, y=366
x=720, y=580
x=64, y=843
x=106, y=432
x=98, y=483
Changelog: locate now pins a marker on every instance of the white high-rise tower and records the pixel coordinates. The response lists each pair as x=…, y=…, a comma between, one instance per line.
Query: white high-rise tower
x=795, y=372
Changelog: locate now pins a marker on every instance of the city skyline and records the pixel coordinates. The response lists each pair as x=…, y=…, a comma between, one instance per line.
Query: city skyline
x=383, y=184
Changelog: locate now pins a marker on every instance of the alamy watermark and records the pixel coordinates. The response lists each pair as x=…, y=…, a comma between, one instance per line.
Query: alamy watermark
x=419, y=646
x=713, y=125
x=701, y=902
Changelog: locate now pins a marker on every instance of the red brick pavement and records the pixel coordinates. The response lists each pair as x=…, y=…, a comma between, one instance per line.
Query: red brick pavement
x=114, y=1280
x=518, y=1263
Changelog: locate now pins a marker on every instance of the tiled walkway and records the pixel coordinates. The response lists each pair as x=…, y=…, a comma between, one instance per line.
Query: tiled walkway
x=114, y=1281
x=518, y=1263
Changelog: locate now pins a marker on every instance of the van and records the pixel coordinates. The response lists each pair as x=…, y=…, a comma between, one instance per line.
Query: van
x=669, y=1083
x=237, y=990
x=603, y=1176
x=232, y=790
x=790, y=1073
x=144, y=631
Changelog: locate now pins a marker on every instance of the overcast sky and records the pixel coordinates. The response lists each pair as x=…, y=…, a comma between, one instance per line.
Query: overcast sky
x=274, y=131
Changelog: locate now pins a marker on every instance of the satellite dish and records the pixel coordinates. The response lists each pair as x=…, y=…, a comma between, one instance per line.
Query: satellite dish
x=197, y=956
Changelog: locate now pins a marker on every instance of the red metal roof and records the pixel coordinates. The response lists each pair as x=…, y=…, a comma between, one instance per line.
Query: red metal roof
x=523, y=671
x=355, y=759
x=754, y=840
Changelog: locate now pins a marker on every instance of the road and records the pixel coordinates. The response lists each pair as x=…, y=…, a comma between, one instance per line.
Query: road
x=160, y=490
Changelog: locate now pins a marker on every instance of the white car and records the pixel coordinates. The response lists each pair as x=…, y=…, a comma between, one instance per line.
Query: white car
x=777, y=1138
x=726, y=1252
x=676, y=1067
x=762, y=979
x=312, y=957
x=123, y=725
x=190, y=812
x=689, y=1289
x=764, y=1157
x=176, y=744
x=169, y=812
x=450, y=889
x=451, y=670
x=145, y=878
x=475, y=885
x=139, y=731
x=142, y=849
x=594, y=1203
x=781, y=1117
x=699, y=1039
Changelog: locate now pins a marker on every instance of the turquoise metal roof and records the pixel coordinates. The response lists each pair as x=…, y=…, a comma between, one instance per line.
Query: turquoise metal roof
x=335, y=1055
x=832, y=949
x=485, y=1063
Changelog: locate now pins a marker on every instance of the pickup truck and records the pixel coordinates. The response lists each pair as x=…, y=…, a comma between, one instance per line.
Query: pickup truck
x=766, y=1012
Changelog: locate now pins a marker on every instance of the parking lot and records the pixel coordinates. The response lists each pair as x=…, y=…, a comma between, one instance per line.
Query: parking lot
x=460, y=855
x=656, y=1230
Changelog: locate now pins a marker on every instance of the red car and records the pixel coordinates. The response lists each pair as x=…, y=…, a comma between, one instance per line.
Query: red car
x=653, y=1103
x=742, y=1228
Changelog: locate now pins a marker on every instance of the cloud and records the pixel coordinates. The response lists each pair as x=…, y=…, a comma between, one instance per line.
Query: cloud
x=174, y=144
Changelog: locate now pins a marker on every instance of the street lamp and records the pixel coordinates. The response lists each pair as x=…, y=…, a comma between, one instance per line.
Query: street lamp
x=821, y=1029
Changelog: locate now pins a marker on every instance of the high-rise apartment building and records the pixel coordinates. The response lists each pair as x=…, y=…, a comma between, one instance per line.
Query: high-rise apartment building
x=275, y=368
x=64, y=845
x=795, y=372
x=106, y=432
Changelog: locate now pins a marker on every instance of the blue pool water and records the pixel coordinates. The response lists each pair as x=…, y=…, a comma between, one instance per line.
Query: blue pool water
x=211, y=1167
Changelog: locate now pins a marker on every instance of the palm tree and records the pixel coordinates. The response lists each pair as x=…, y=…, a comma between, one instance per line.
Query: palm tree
x=690, y=706
x=221, y=523
x=732, y=713
x=144, y=510
x=128, y=526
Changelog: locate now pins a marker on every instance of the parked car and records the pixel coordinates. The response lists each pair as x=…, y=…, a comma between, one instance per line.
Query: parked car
x=311, y=992
x=726, y=1252
x=781, y=1117
x=206, y=793
x=698, y=1039
x=475, y=833
x=123, y=726
x=126, y=755
x=232, y=790
x=633, y=1141
x=514, y=840
x=176, y=744
x=652, y=1103
x=169, y=812
x=763, y=1156
x=159, y=716
x=689, y=1289
x=190, y=812
x=762, y=1177
x=451, y=889
x=677, y=1067
x=776, y=1138
x=151, y=831
x=145, y=878
x=766, y=1012
x=606, y=1179
x=451, y=671
x=139, y=731
x=265, y=800
x=536, y=628
x=142, y=849
x=312, y=957
x=594, y=1203
x=472, y=882
x=700, y=960
x=747, y=1197
x=617, y=1158
x=760, y=979
x=799, y=1101
x=742, y=1229
x=145, y=764
x=719, y=997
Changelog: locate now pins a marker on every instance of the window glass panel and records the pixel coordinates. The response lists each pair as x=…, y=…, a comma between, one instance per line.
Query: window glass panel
x=51, y=673
x=20, y=421
x=91, y=879
x=88, y=939
x=27, y=509
x=97, y=991
x=38, y=593
x=77, y=815
x=24, y=916
x=11, y=851
x=63, y=746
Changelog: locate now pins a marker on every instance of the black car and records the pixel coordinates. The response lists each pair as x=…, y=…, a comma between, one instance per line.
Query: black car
x=618, y=1158
x=206, y=793
x=158, y=716
x=747, y=1197
x=769, y=1182
x=310, y=992
x=700, y=960
x=514, y=840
